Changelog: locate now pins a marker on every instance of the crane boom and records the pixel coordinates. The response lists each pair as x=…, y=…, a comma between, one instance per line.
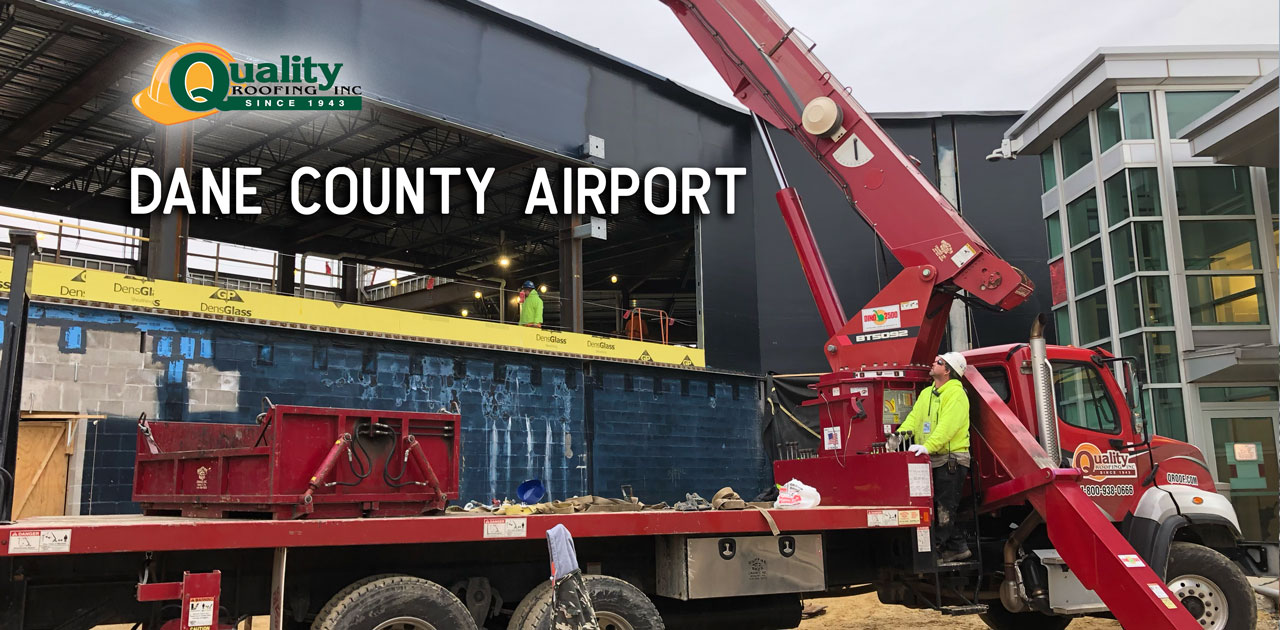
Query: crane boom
x=776, y=75
x=883, y=352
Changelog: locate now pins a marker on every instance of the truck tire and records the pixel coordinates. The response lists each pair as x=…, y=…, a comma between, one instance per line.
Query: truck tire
x=522, y=610
x=998, y=617
x=618, y=606
x=1212, y=588
x=394, y=602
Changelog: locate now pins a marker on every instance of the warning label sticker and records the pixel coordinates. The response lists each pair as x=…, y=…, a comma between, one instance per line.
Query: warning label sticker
x=923, y=543
x=884, y=518
x=1162, y=594
x=505, y=527
x=200, y=612
x=1131, y=560
x=40, y=541
x=909, y=517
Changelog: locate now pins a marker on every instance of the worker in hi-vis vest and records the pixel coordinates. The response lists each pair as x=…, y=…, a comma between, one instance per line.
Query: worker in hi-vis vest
x=939, y=424
x=530, y=305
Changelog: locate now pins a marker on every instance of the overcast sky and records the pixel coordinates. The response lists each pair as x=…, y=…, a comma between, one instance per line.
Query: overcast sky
x=923, y=55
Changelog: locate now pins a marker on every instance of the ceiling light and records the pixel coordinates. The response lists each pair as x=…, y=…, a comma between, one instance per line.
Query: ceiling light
x=504, y=261
x=477, y=295
x=465, y=312
x=542, y=289
x=394, y=282
x=613, y=279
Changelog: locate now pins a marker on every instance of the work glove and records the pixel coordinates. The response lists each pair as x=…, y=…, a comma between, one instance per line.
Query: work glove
x=918, y=449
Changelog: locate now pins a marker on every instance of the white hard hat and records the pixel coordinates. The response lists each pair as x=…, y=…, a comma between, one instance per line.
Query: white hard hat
x=956, y=361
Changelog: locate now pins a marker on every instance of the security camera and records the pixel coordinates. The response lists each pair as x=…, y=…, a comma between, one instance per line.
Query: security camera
x=1003, y=152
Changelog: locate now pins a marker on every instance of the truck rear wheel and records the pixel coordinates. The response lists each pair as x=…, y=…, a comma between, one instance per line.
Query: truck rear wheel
x=521, y=614
x=394, y=602
x=618, y=606
x=1211, y=587
x=998, y=617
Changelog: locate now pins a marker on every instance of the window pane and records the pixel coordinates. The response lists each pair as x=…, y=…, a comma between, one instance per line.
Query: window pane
x=1082, y=218
x=1144, y=192
x=1087, y=268
x=1225, y=300
x=1116, y=190
x=1131, y=346
x=1062, y=326
x=1166, y=408
x=1122, y=252
x=1220, y=245
x=1082, y=399
x=1157, y=307
x=1091, y=315
x=1213, y=190
x=1163, y=349
x=1108, y=125
x=1128, y=310
x=1048, y=173
x=1076, y=151
x=1259, y=393
x=1137, y=116
x=1150, y=240
x=1273, y=181
x=1054, y=227
x=1185, y=107
x=1254, y=485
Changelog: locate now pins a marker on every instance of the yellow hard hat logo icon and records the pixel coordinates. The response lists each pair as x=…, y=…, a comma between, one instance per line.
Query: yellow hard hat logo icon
x=199, y=84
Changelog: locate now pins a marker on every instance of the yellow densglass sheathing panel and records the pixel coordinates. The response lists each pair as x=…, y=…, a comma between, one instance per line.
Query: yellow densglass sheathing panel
x=194, y=300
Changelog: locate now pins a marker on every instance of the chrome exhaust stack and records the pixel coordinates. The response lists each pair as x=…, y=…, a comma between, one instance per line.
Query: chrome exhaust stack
x=1042, y=380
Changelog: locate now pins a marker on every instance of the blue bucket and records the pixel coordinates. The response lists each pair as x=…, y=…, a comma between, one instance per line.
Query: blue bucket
x=531, y=491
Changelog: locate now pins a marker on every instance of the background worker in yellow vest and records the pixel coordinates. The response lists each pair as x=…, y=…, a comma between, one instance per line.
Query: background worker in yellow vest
x=530, y=305
x=939, y=422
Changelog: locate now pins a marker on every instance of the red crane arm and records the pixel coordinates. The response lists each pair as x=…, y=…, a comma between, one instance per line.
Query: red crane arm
x=777, y=77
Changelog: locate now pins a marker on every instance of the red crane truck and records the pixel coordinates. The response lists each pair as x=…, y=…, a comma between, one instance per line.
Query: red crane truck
x=1075, y=509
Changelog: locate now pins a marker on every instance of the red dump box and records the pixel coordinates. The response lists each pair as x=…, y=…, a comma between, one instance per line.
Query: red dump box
x=299, y=462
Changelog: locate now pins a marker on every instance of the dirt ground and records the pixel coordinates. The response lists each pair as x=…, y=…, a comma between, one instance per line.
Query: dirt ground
x=865, y=612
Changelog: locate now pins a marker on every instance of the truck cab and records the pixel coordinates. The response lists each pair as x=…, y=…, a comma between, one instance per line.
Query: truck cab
x=1158, y=491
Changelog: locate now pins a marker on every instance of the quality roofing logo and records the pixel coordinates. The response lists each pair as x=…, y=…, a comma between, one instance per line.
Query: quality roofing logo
x=196, y=80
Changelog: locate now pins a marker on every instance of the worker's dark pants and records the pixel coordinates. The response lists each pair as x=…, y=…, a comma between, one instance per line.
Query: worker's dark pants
x=948, y=482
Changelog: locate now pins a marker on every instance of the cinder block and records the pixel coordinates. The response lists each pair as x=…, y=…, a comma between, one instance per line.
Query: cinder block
x=124, y=340
x=133, y=408
x=124, y=358
x=226, y=400
x=37, y=372
x=65, y=372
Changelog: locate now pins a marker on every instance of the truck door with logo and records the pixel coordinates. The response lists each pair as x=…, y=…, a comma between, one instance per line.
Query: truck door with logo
x=1093, y=426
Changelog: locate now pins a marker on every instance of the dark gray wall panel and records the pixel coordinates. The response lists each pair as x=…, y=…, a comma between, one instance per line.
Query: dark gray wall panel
x=1002, y=202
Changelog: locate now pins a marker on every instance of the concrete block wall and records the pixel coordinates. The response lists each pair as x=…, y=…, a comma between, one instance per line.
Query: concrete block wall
x=581, y=427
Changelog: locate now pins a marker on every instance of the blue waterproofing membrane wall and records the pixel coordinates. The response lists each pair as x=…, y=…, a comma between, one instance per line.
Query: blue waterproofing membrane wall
x=665, y=432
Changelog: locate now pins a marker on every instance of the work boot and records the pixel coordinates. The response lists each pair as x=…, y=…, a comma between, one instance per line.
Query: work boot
x=948, y=557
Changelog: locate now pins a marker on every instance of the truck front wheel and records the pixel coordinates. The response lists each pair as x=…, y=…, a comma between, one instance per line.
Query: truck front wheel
x=1211, y=587
x=394, y=602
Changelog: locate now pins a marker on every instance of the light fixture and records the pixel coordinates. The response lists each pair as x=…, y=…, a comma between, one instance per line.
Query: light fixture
x=613, y=279
x=477, y=295
x=542, y=289
x=394, y=282
x=465, y=312
x=503, y=261
x=515, y=300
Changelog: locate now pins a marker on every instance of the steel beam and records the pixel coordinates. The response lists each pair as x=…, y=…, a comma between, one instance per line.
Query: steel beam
x=571, y=275
x=167, y=249
x=72, y=96
x=15, y=343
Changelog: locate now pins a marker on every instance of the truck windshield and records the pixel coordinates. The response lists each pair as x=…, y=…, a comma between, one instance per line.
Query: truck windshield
x=1081, y=397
